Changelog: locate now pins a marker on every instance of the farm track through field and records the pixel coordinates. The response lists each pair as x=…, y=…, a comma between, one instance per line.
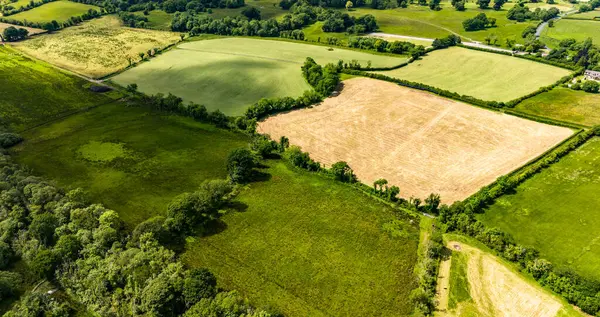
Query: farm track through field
x=243, y=55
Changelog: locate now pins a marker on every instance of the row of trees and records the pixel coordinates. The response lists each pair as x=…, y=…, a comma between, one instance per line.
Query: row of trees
x=520, y=12
x=381, y=45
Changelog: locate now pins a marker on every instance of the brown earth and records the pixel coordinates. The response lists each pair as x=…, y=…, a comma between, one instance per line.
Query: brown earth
x=416, y=140
x=32, y=31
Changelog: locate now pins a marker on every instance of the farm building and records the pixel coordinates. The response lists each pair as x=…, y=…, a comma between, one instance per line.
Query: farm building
x=592, y=75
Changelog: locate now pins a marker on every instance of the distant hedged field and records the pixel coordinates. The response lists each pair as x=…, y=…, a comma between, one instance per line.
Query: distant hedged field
x=206, y=205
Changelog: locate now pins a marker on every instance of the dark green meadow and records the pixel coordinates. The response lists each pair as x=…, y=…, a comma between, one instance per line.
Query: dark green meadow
x=128, y=158
x=559, y=208
x=32, y=92
x=306, y=245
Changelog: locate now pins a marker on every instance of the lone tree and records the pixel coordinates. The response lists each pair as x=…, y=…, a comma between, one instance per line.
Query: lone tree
x=343, y=172
x=349, y=5
x=239, y=165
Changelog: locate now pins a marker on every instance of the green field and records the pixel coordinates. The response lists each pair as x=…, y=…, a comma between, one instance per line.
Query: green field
x=311, y=246
x=559, y=207
x=564, y=104
x=17, y=4
x=129, y=159
x=33, y=92
x=576, y=29
x=60, y=11
x=158, y=20
x=268, y=9
x=421, y=21
x=230, y=74
x=486, y=76
x=590, y=15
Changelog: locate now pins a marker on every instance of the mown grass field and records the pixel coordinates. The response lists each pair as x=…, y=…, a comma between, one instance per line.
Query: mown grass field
x=131, y=160
x=310, y=246
x=230, y=74
x=60, y=11
x=559, y=208
x=158, y=20
x=33, y=92
x=421, y=21
x=483, y=285
x=564, y=104
x=577, y=29
x=96, y=48
x=590, y=15
x=486, y=76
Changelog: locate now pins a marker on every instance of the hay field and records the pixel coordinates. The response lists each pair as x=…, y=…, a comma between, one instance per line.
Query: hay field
x=96, y=48
x=487, y=286
x=564, y=104
x=230, y=74
x=32, y=31
x=306, y=245
x=418, y=141
x=61, y=11
x=560, y=209
x=486, y=76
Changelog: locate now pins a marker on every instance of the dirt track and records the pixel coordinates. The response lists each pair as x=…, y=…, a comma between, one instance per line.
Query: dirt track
x=416, y=140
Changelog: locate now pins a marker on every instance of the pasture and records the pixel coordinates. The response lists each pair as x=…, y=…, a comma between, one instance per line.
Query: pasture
x=487, y=76
x=421, y=21
x=564, y=104
x=158, y=20
x=482, y=284
x=32, y=31
x=579, y=30
x=305, y=245
x=230, y=74
x=418, y=141
x=559, y=208
x=96, y=48
x=61, y=11
x=34, y=92
x=16, y=4
x=130, y=159
x=590, y=15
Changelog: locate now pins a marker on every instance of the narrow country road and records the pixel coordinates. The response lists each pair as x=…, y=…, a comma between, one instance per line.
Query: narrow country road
x=542, y=26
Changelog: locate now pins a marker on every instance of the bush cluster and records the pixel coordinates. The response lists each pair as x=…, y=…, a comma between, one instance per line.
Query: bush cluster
x=479, y=22
x=381, y=45
x=520, y=12
x=450, y=40
x=13, y=34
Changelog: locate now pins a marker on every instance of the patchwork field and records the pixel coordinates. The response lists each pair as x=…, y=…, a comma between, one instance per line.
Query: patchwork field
x=486, y=76
x=483, y=285
x=311, y=246
x=559, y=208
x=34, y=92
x=96, y=48
x=127, y=158
x=418, y=141
x=564, y=104
x=230, y=74
x=61, y=11
x=32, y=31
x=576, y=29
x=421, y=21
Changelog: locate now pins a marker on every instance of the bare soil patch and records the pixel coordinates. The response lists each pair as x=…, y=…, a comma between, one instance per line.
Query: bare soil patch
x=416, y=140
x=32, y=31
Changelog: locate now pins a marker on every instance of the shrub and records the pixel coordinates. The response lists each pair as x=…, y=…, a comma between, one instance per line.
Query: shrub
x=240, y=163
x=590, y=86
x=9, y=139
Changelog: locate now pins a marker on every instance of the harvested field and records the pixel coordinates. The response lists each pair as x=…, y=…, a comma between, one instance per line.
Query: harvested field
x=32, y=31
x=96, y=48
x=418, y=141
x=496, y=289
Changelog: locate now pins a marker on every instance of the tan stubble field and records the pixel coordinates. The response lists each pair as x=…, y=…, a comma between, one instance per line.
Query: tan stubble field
x=416, y=140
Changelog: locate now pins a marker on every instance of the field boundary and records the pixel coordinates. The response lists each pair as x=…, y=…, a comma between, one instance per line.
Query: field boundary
x=545, y=120
x=27, y=7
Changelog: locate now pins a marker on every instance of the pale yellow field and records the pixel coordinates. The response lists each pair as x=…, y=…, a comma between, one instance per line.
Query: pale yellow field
x=418, y=141
x=96, y=48
x=498, y=290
